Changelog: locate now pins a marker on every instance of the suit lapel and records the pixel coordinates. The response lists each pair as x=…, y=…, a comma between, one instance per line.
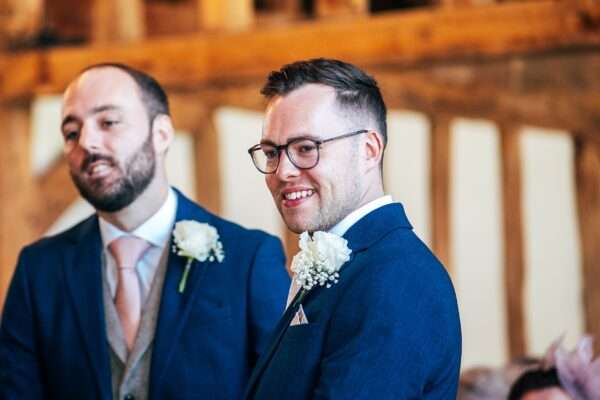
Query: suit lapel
x=83, y=274
x=362, y=235
x=174, y=306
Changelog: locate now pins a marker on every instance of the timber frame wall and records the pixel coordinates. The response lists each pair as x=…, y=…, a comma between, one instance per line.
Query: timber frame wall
x=522, y=63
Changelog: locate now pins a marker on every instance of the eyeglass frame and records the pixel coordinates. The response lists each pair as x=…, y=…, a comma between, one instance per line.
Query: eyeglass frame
x=279, y=148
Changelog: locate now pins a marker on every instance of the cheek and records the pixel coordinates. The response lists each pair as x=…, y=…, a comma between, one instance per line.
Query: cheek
x=271, y=182
x=73, y=157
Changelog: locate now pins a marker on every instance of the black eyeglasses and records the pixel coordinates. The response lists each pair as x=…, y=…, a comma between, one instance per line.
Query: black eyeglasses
x=303, y=153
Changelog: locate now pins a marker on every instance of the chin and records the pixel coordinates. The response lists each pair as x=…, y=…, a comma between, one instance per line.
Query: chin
x=294, y=225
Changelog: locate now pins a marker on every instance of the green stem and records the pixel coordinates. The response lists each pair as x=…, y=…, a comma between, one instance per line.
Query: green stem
x=185, y=275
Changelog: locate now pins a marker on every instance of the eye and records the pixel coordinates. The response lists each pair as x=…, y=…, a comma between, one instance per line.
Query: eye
x=305, y=147
x=70, y=133
x=270, y=153
x=109, y=123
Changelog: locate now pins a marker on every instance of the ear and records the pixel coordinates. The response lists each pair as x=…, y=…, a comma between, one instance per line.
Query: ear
x=373, y=149
x=162, y=133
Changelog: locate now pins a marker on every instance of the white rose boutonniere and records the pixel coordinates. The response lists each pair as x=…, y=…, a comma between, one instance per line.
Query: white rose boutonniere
x=196, y=241
x=320, y=258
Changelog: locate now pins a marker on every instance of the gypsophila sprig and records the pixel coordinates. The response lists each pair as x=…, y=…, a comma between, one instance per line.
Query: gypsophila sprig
x=196, y=241
x=320, y=258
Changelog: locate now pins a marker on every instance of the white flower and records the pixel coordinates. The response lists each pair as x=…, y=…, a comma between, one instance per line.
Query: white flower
x=196, y=241
x=319, y=260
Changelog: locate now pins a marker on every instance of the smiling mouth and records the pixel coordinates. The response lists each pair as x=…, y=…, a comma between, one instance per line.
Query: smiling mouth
x=298, y=195
x=99, y=169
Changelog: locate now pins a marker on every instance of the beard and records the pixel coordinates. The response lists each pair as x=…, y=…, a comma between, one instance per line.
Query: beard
x=135, y=176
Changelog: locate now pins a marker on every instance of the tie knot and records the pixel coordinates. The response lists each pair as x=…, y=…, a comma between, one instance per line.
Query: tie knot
x=127, y=250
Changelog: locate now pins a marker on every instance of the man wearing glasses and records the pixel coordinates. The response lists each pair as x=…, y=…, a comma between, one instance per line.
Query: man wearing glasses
x=386, y=324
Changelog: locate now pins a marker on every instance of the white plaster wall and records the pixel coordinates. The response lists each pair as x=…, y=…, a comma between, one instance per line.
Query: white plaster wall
x=476, y=247
x=47, y=143
x=244, y=195
x=407, y=168
x=553, y=301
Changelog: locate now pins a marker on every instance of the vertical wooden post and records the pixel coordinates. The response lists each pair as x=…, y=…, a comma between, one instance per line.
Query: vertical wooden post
x=16, y=188
x=208, y=177
x=225, y=14
x=440, y=188
x=513, y=240
x=333, y=8
x=587, y=167
x=118, y=20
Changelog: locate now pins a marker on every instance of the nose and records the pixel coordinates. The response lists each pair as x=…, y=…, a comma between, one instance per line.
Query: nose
x=89, y=138
x=286, y=170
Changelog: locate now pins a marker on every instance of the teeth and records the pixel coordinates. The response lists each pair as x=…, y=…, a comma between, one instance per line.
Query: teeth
x=98, y=169
x=298, y=195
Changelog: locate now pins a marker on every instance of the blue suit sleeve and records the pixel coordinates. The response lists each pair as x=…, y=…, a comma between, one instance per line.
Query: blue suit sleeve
x=392, y=338
x=20, y=377
x=269, y=283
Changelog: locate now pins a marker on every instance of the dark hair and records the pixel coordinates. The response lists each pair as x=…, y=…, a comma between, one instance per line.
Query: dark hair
x=354, y=89
x=536, y=379
x=153, y=95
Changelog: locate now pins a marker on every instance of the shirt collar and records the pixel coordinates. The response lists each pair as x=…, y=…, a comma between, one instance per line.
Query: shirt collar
x=342, y=227
x=156, y=230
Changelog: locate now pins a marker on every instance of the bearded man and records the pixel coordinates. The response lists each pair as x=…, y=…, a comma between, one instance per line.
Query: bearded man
x=117, y=307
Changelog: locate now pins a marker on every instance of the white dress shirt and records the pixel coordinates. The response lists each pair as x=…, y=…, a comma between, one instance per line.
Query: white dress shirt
x=341, y=228
x=156, y=231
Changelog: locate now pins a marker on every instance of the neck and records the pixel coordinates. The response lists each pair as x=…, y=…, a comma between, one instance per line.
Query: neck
x=142, y=208
x=372, y=193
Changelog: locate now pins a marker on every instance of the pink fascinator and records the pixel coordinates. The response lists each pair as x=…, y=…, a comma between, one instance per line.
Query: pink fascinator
x=578, y=373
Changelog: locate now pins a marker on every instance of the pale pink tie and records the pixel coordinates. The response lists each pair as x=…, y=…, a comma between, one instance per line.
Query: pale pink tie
x=127, y=250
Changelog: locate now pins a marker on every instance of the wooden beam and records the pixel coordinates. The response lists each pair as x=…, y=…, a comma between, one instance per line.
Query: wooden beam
x=587, y=167
x=337, y=8
x=388, y=39
x=21, y=74
x=208, y=176
x=17, y=193
x=20, y=20
x=465, y=3
x=161, y=15
x=118, y=21
x=70, y=20
x=57, y=191
x=573, y=110
x=231, y=15
x=440, y=188
x=514, y=259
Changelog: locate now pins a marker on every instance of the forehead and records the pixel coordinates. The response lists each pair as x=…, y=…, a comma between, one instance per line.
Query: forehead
x=310, y=110
x=99, y=87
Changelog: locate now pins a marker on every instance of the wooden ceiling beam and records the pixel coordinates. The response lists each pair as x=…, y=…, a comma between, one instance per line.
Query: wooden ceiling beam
x=225, y=14
x=569, y=110
x=118, y=21
x=341, y=8
x=397, y=39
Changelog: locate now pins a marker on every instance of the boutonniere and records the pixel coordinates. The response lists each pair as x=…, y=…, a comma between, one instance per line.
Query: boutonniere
x=196, y=241
x=320, y=258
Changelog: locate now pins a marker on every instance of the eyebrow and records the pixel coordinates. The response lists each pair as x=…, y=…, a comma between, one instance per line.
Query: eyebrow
x=71, y=118
x=300, y=136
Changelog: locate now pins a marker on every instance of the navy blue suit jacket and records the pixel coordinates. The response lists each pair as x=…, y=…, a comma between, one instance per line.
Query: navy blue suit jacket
x=53, y=342
x=389, y=329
